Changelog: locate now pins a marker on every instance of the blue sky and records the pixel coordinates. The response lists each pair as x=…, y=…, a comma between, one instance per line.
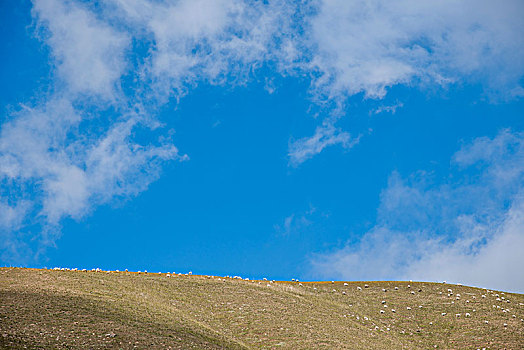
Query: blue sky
x=325, y=140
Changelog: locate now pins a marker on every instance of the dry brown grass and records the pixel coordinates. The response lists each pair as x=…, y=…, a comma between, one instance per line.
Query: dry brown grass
x=98, y=310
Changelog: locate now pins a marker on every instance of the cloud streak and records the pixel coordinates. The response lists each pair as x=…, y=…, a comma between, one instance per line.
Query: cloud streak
x=467, y=230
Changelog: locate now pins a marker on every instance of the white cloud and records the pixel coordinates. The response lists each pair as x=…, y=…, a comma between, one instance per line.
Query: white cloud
x=66, y=169
x=218, y=42
x=387, y=109
x=462, y=231
x=325, y=135
x=89, y=54
x=297, y=222
x=368, y=46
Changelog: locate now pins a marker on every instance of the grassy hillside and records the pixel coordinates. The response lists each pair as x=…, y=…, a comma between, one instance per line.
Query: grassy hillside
x=71, y=309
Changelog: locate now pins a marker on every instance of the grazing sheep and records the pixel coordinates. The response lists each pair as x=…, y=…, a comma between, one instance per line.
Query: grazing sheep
x=382, y=311
x=393, y=310
x=359, y=288
x=396, y=288
x=383, y=301
x=345, y=284
x=467, y=314
x=366, y=286
x=412, y=292
x=408, y=308
x=443, y=314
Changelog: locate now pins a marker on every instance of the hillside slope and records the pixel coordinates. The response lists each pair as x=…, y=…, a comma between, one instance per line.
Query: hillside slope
x=98, y=310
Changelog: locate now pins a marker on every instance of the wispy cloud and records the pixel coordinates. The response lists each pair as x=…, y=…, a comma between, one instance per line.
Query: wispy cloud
x=325, y=135
x=468, y=230
x=387, y=109
x=368, y=46
x=297, y=222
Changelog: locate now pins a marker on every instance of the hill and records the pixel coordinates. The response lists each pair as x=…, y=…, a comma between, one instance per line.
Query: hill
x=50, y=309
